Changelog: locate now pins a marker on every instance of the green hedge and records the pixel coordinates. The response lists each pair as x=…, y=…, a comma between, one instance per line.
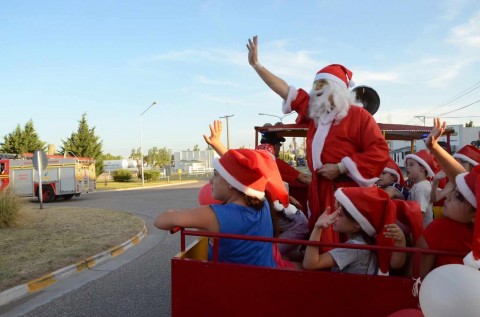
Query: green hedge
x=122, y=175
x=149, y=175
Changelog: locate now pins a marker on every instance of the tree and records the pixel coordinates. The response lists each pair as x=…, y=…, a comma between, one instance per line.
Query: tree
x=469, y=124
x=196, y=147
x=84, y=143
x=109, y=157
x=164, y=157
x=22, y=140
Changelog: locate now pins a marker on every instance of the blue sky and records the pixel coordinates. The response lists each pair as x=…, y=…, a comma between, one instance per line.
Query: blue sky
x=112, y=59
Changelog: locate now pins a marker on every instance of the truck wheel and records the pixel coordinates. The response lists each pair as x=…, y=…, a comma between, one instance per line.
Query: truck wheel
x=67, y=197
x=48, y=194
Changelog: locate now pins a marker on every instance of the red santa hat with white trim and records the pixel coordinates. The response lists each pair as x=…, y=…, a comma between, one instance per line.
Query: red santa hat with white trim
x=468, y=184
x=336, y=72
x=469, y=154
x=372, y=208
x=393, y=169
x=410, y=217
x=252, y=172
x=427, y=160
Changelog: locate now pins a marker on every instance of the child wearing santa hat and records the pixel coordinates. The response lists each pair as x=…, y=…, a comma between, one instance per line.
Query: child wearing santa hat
x=240, y=179
x=367, y=216
x=469, y=157
x=420, y=166
x=391, y=180
x=455, y=231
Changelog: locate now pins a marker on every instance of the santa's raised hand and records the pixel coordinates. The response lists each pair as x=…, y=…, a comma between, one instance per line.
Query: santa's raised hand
x=252, y=51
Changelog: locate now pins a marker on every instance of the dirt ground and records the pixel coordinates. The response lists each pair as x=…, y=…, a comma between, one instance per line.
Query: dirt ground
x=45, y=240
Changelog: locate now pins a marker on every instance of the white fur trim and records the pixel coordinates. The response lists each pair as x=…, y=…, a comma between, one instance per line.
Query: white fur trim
x=329, y=76
x=287, y=104
x=290, y=210
x=393, y=172
x=356, y=214
x=422, y=162
x=470, y=261
x=318, y=142
x=235, y=183
x=354, y=173
x=465, y=158
x=380, y=273
x=465, y=190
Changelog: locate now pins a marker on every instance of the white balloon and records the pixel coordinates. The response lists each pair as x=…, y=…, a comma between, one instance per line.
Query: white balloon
x=451, y=290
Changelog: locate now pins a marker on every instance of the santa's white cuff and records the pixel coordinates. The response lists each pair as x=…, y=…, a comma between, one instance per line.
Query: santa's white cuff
x=342, y=168
x=470, y=261
x=287, y=104
x=354, y=173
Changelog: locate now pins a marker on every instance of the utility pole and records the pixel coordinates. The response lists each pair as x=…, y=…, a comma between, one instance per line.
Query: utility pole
x=228, y=133
x=421, y=118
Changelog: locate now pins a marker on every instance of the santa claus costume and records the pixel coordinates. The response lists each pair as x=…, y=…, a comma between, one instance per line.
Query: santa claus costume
x=348, y=136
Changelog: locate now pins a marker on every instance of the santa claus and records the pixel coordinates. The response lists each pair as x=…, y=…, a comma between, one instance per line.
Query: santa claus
x=345, y=146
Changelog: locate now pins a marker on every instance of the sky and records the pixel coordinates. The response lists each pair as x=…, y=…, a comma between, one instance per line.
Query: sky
x=113, y=59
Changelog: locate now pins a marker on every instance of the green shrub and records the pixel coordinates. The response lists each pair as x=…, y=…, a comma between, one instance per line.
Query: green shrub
x=122, y=175
x=9, y=208
x=151, y=175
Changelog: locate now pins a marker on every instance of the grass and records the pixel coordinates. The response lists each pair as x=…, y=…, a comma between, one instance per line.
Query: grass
x=9, y=208
x=45, y=240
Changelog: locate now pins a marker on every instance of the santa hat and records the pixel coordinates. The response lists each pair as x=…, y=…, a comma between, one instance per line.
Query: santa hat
x=425, y=159
x=393, y=169
x=468, y=184
x=469, y=154
x=372, y=208
x=410, y=216
x=337, y=73
x=205, y=196
x=252, y=172
x=266, y=147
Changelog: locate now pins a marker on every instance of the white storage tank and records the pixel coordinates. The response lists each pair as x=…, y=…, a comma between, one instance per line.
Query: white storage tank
x=113, y=165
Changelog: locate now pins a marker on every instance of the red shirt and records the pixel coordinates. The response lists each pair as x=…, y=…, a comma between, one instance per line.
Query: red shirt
x=448, y=235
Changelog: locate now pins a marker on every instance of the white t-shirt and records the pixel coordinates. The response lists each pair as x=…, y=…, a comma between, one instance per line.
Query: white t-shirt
x=420, y=193
x=354, y=260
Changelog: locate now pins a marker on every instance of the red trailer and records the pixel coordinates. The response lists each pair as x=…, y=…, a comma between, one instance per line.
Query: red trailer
x=211, y=288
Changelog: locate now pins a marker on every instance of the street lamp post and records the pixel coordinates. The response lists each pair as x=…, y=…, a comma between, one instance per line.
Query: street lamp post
x=271, y=115
x=141, y=141
x=228, y=134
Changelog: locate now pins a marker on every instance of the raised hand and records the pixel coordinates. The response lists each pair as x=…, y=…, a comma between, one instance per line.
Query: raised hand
x=215, y=133
x=252, y=51
x=435, y=133
x=327, y=218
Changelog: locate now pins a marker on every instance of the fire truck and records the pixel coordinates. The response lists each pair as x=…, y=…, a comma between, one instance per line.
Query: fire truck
x=63, y=178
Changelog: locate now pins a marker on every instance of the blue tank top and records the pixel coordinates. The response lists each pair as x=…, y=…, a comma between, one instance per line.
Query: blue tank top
x=236, y=219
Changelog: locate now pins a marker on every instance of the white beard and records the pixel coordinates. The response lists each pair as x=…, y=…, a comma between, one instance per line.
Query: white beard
x=320, y=108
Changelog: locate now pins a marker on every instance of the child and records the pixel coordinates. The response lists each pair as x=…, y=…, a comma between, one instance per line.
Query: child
x=363, y=213
x=469, y=157
x=453, y=232
x=391, y=180
x=239, y=179
x=420, y=166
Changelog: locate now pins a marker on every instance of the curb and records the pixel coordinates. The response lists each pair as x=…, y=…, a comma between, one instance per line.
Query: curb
x=40, y=283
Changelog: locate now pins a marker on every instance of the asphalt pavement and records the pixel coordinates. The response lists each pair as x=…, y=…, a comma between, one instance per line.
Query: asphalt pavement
x=135, y=283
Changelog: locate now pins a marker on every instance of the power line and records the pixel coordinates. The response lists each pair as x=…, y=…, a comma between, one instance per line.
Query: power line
x=458, y=96
x=458, y=108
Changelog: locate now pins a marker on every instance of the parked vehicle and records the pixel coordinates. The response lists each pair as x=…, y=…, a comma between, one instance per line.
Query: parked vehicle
x=301, y=161
x=62, y=178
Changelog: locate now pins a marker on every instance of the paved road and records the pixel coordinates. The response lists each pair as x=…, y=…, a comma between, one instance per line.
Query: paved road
x=136, y=283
